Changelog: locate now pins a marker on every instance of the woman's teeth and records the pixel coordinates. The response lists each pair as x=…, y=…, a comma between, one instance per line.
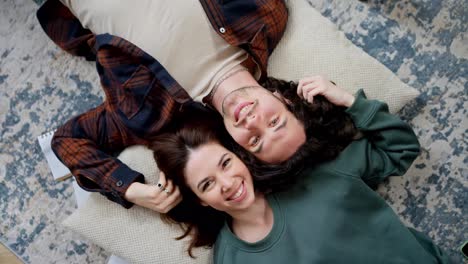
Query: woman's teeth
x=238, y=193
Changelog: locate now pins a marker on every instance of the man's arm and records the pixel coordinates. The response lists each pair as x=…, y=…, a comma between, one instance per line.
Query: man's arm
x=138, y=105
x=65, y=30
x=84, y=143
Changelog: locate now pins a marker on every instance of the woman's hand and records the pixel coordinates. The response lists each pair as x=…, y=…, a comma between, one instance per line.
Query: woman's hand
x=311, y=86
x=161, y=197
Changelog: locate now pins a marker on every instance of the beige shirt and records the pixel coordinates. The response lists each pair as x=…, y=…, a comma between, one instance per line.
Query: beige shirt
x=175, y=32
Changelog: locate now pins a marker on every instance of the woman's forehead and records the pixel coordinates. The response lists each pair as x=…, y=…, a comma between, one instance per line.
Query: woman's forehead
x=204, y=161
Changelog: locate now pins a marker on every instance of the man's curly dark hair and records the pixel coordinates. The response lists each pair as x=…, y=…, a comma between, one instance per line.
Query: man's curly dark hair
x=328, y=128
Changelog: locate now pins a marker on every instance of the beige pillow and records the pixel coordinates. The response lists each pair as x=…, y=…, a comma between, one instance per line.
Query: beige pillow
x=137, y=234
x=311, y=45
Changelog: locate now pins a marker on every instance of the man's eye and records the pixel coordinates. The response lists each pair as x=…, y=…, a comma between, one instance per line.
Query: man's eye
x=253, y=141
x=274, y=122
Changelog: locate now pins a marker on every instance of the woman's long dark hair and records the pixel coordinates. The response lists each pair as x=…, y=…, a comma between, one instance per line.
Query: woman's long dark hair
x=196, y=127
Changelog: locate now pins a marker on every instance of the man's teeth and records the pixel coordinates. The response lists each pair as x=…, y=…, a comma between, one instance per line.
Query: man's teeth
x=238, y=193
x=244, y=109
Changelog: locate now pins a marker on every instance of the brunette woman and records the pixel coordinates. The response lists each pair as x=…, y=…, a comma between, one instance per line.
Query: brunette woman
x=329, y=215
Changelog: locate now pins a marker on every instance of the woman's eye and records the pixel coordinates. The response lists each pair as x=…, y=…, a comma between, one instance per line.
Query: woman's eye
x=254, y=141
x=225, y=163
x=206, y=185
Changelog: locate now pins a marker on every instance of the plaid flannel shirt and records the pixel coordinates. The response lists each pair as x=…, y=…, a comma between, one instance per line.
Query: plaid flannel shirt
x=141, y=96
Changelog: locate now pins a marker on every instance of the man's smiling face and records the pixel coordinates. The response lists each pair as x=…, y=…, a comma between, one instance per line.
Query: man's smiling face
x=261, y=123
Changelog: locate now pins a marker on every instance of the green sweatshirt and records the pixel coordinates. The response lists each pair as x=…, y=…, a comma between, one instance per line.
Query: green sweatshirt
x=332, y=216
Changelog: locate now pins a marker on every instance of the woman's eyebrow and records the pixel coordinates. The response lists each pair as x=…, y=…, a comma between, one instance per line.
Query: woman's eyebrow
x=221, y=159
x=199, y=185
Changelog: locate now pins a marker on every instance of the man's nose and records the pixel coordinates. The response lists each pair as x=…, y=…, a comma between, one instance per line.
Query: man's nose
x=251, y=121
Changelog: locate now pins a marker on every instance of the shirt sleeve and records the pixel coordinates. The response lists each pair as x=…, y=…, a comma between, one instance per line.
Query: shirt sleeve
x=389, y=145
x=84, y=143
x=141, y=99
x=65, y=30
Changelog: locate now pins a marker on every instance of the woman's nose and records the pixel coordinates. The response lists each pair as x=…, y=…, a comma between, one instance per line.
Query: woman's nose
x=226, y=184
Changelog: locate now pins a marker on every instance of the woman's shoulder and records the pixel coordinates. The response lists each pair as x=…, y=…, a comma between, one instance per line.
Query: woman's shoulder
x=348, y=163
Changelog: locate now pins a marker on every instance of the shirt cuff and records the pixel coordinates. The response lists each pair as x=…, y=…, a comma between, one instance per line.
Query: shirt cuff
x=120, y=180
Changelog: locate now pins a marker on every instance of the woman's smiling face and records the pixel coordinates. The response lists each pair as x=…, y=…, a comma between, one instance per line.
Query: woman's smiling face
x=219, y=178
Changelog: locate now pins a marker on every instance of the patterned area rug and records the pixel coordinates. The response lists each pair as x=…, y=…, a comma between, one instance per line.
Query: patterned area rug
x=425, y=42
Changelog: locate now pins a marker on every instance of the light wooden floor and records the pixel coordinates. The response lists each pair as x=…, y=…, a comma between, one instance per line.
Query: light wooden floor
x=6, y=257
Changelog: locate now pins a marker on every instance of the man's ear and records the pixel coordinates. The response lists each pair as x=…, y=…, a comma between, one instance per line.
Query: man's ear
x=282, y=98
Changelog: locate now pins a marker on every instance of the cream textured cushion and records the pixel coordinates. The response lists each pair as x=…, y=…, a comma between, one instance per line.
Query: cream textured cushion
x=137, y=234
x=311, y=45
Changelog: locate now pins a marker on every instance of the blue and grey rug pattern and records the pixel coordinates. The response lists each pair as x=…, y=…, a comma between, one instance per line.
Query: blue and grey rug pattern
x=424, y=42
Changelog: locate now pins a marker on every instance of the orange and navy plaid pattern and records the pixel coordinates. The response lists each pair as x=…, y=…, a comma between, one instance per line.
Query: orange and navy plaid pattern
x=141, y=96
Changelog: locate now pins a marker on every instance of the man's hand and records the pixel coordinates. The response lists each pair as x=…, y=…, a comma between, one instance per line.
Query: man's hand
x=311, y=86
x=160, y=198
